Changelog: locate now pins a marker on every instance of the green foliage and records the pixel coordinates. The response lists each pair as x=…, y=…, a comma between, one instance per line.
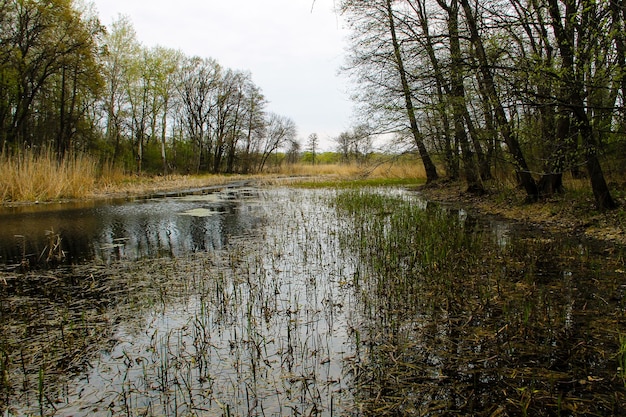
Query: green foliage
x=183, y=157
x=324, y=158
x=48, y=62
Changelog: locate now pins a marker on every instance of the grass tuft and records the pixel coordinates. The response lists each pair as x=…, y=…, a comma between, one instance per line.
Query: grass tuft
x=31, y=176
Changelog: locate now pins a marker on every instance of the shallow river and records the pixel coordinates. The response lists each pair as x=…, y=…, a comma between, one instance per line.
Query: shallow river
x=103, y=230
x=248, y=302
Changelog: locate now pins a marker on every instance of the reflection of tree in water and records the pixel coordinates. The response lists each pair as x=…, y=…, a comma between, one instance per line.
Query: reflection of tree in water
x=128, y=231
x=172, y=234
x=456, y=322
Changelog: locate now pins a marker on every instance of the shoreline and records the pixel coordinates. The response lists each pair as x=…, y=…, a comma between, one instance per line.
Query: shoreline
x=561, y=213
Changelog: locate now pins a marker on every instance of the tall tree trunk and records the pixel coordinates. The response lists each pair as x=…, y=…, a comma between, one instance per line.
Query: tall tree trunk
x=601, y=192
x=163, y=138
x=521, y=167
x=429, y=166
x=470, y=168
x=62, y=118
x=450, y=152
x=618, y=36
x=139, y=153
x=564, y=35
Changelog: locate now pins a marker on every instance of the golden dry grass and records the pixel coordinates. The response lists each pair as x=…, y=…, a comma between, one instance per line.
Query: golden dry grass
x=388, y=169
x=116, y=183
x=401, y=169
x=31, y=177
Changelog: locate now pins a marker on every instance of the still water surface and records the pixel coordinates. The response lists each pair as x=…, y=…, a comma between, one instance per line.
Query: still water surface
x=248, y=302
x=130, y=230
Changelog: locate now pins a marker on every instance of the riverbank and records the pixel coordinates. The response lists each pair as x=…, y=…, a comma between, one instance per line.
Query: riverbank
x=573, y=212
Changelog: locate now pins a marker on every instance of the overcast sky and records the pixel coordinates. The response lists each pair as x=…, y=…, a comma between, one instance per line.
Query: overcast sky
x=293, y=49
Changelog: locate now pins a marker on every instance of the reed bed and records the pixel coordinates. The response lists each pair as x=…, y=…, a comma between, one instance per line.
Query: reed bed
x=388, y=168
x=32, y=176
x=457, y=321
x=113, y=182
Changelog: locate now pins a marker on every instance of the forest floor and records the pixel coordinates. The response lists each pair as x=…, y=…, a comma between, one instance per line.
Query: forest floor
x=572, y=212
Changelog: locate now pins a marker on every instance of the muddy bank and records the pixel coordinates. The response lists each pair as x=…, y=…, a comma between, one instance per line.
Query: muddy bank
x=561, y=213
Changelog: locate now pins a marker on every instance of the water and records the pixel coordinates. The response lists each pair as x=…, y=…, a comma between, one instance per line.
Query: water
x=251, y=303
x=103, y=231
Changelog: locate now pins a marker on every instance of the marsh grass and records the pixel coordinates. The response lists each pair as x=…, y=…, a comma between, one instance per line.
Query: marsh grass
x=390, y=168
x=54, y=322
x=31, y=176
x=39, y=176
x=454, y=320
x=113, y=182
x=253, y=329
x=356, y=183
x=357, y=302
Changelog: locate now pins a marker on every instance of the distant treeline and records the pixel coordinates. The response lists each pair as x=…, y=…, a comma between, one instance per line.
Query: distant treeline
x=69, y=84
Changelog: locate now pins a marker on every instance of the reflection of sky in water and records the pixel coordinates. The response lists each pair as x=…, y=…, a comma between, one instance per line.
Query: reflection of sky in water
x=268, y=337
x=145, y=228
x=272, y=328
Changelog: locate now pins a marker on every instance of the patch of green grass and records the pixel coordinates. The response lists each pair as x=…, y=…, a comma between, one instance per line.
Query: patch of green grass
x=359, y=183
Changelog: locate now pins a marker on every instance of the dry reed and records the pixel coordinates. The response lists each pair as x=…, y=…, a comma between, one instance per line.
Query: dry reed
x=113, y=182
x=31, y=176
x=386, y=169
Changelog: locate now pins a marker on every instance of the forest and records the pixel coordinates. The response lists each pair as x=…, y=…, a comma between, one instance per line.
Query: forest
x=532, y=89
x=74, y=86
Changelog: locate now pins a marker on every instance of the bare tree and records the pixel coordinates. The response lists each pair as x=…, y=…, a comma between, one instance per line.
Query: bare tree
x=293, y=152
x=379, y=62
x=200, y=78
x=279, y=131
x=311, y=146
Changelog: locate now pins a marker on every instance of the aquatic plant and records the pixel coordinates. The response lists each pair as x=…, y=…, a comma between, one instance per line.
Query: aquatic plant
x=451, y=320
x=356, y=302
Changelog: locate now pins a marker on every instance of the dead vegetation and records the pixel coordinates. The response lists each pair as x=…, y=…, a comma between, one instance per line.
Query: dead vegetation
x=573, y=211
